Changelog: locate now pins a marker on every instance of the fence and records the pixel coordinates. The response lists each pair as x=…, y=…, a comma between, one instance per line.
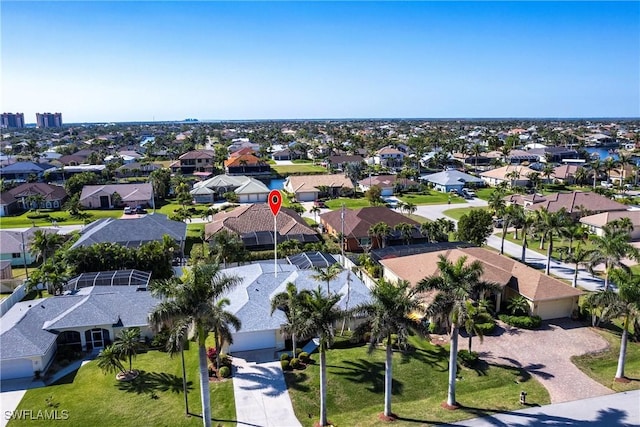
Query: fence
x=368, y=281
x=15, y=297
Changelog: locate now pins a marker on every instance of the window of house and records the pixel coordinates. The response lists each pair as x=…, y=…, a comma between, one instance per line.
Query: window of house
x=16, y=255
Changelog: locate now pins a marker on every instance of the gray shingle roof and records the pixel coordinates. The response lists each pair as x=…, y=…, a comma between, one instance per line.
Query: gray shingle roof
x=132, y=232
x=251, y=300
x=28, y=328
x=451, y=177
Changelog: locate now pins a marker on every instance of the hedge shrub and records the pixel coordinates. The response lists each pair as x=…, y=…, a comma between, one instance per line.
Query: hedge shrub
x=38, y=215
x=525, y=322
x=486, y=328
x=224, y=372
x=284, y=364
x=284, y=356
x=295, y=363
x=304, y=357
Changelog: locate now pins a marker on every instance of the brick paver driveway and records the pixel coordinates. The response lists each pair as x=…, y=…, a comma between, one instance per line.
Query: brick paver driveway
x=546, y=354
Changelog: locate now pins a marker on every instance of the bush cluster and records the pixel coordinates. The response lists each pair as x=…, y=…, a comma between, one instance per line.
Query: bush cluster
x=38, y=215
x=486, y=328
x=285, y=356
x=303, y=356
x=284, y=364
x=525, y=322
x=224, y=372
x=295, y=363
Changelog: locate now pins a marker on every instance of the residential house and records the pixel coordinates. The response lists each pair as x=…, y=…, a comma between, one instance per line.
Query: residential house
x=387, y=183
x=53, y=196
x=598, y=221
x=195, y=161
x=254, y=223
x=8, y=204
x=89, y=319
x=357, y=223
x=244, y=162
x=517, y=157
x=137, y=169
x=240, y=143
x=554, y=154
x=102, y=196
x=15, y=246
x=452, y=179
x=249, y=190
x=515, y=176
x=389, y=157
x=127, y=157
x=64, y=172
x=565, y=174
x=340, y=162
x=25, y=171
x=133, y=232
x=577, y=203
x=548, y=297
x=307, y=188
x=251, y=300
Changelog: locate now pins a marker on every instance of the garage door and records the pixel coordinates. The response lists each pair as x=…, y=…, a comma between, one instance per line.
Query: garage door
x=555, y=309
x=18, y=368
x=243, y=341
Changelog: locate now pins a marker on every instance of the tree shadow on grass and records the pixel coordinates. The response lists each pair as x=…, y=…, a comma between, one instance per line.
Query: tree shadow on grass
x=296, y=381
x=152, y=382
x=437, y=357
x=364, y=371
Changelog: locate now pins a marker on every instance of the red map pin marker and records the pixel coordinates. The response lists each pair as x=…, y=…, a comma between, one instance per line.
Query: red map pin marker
x=275, y=201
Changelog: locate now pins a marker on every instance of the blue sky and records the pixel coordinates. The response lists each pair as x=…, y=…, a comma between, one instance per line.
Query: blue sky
x=126, y=61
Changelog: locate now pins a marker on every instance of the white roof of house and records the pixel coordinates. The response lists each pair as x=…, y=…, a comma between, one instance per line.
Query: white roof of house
x=451, y=177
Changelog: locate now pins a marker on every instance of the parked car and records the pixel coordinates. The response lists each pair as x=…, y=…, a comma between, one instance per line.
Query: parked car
x=140, y=210
x=128, y=210
x=454, y=192
x=319, y=203
x=390, y=203
x=498, y=222
x=469, y=192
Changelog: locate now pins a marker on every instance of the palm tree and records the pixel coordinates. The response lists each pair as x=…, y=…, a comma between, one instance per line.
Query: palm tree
x=596, y=168
x=510, y=215
x=315, y=210
x=406, y=231
x=191, y=301
x=581, y=175
x=625, y=303
x=547, y=171
x=380, y=231
x=128, y=343
x=578, y=257
x=291, y=303
x=496, y=202
x=528, y=222
x=455, y=285
x=608, y=165
x=474, y=314
x=327, y=274
x=550, y=224
x=110, y=360
x=221, y=320
x=610, y=249
x=43, y=244
x=410, y=208
x=226, y=246
x=322, y=315
x=389, y=313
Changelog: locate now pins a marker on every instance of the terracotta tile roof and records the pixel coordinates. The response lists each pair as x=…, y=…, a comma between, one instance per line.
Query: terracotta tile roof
x=258, y=217
x=309, y=183
x=242, y=152
x=530, y=283
x=197, y=154
x=236, y=161
x=48, y=191
x=565, y=171
x=604, y=218
x=572, y=202
x=502, y=172
x=385, y=181
x=358, y=222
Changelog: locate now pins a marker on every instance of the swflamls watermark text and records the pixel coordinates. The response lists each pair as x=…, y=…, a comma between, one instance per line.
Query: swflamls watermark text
x=43, y=414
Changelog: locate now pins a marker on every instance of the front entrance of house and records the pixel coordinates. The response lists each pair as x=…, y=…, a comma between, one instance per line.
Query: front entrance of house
x=104, y=202
x=96, y=338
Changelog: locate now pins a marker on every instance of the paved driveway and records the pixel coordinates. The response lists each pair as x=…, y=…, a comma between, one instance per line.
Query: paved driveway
x=261, y=395
x=546, y=354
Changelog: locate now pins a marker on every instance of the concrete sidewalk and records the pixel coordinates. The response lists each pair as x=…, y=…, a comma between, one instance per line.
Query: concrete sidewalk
x=261, y=395
x=621, y=409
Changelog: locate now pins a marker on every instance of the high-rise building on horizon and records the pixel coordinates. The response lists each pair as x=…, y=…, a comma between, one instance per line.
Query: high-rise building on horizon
x=12, y=120
x=48, y=120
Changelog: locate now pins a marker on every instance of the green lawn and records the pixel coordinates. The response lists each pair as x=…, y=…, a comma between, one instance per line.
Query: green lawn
x=417, y=218
x=349, y=203
x=355, y=392
x=559, y=245
x=484, y=193
x=154, y=399
x=456, y=213
x=299, y=169
x=602, y=366
x=433, y=198
x=62, y=217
